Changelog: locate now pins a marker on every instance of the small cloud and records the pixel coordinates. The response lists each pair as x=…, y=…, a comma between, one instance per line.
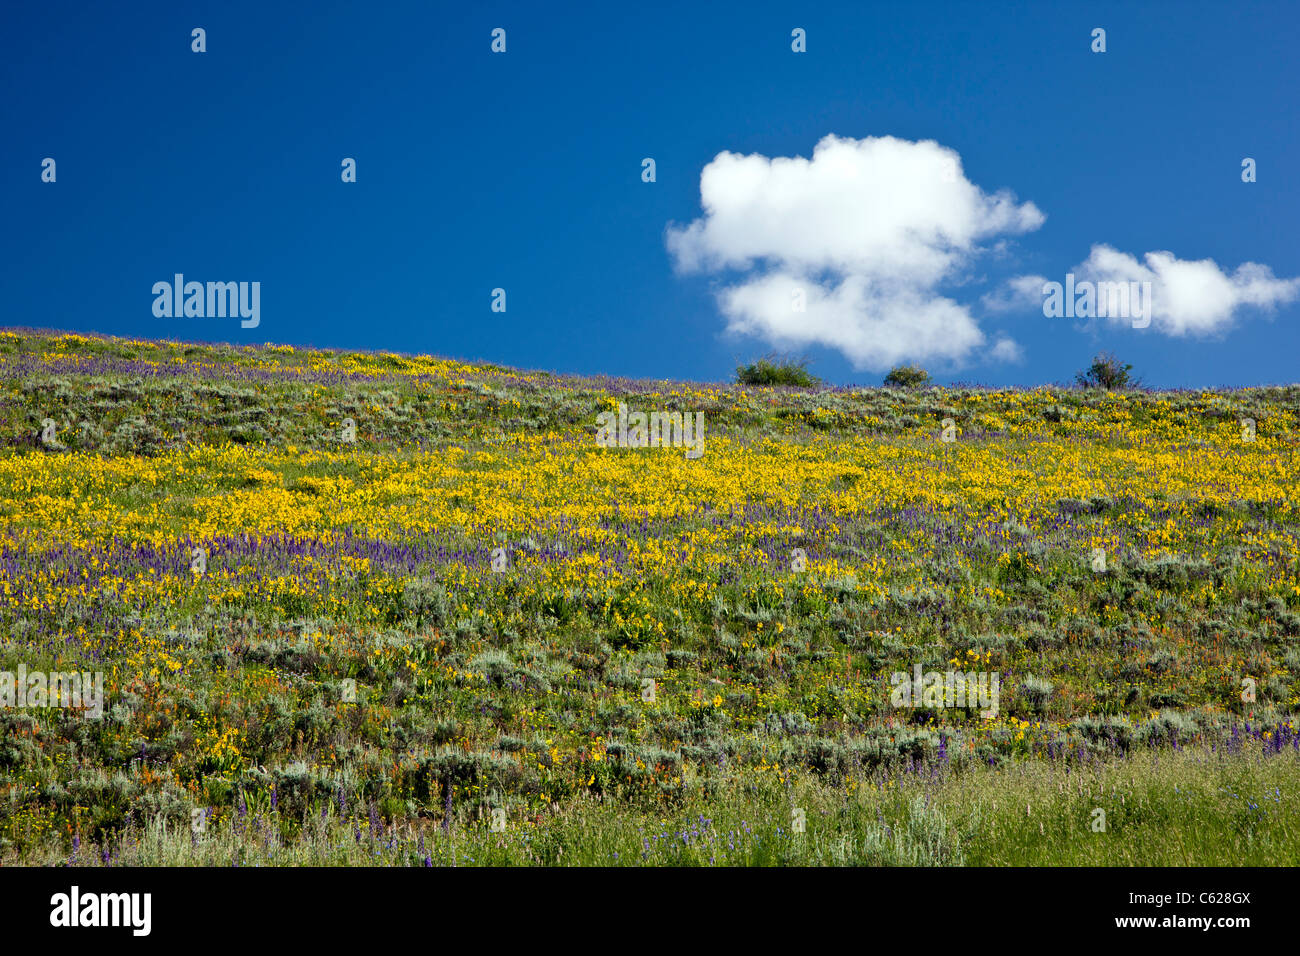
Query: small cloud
x=1008, y=351
x=1022, y=292
x=1190, y=297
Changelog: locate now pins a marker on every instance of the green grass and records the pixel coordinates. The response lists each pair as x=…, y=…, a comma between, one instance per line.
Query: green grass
x=1171, y=808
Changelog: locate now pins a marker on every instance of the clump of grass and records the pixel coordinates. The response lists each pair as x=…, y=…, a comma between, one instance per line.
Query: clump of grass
x=771, y=370
x=907, y=376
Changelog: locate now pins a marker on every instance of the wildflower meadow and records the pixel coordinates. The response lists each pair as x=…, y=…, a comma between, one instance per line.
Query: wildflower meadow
x=371, y=608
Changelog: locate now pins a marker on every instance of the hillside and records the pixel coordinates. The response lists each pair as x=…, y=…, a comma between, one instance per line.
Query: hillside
x=364, y=600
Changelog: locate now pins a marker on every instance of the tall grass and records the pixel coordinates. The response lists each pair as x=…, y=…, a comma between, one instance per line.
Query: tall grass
x=1174, y=808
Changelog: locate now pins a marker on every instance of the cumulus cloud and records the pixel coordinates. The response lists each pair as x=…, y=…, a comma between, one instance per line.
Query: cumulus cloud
x=1190, y=297
x=847, y=249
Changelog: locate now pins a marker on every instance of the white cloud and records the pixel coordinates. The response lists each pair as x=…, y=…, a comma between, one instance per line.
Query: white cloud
x=873, y=328
x=1022, y=292
x=1190, y=297
x=1006, y=350
x=867, y=229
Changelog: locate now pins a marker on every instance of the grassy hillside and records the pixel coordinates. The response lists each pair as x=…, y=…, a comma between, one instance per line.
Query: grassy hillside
x=344, y=677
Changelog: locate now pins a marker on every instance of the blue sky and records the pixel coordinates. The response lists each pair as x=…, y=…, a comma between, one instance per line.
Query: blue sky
x=523, y=171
